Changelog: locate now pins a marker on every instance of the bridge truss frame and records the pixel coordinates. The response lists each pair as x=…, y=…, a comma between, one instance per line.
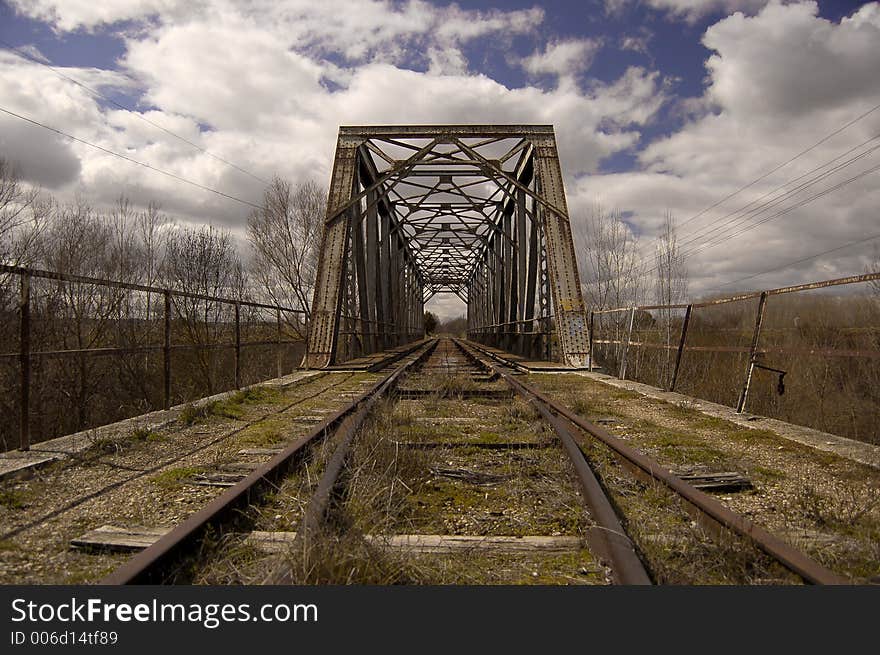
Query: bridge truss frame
x=474, y=210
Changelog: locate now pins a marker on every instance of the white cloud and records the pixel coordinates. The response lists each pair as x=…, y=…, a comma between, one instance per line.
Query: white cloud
x=256, y=76
x=563, y=58
x=69, y=15
x=787, y=61
x=636, y=42
x=689, y=10
x=252, y=83
x=777, y=83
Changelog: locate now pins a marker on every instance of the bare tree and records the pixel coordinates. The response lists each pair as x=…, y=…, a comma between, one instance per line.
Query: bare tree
x=285, y=234
x=671, y=283
x=610, y=262
x=204, y=261
x=610, y=268
x=152, y=228
x=78, y=315
x=23, y=216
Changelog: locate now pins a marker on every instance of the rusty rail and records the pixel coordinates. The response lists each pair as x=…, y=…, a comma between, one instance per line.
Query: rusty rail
x=794, y=560
x=608, y=538
x=156, y=563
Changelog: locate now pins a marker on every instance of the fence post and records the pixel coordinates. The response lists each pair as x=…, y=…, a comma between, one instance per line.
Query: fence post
x=166, y=351
x=629, y=331
x=278, y=341
x=753, y=353
x=590, y=350
x=238, y=345
x=24, y=348
x=684, y=331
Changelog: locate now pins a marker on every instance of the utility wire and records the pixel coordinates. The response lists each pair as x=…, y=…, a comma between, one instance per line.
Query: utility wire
x=799, y=261
x=130, y=159
x=716, y=241
x=137, y=114
x=740, y=217
x=785, y=163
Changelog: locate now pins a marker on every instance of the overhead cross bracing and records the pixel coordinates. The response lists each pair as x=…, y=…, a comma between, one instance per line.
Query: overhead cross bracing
x=474, y=210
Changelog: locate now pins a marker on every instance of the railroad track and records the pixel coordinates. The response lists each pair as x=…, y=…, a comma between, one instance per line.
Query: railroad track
x=473, y=465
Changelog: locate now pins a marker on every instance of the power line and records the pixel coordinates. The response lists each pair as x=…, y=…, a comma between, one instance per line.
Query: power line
x=799, y=261
x=785, y=163
x=712, y=243
x=130, y=159
x=137, y=114
x=739, y=223
x=739, y=216
x=790, y=208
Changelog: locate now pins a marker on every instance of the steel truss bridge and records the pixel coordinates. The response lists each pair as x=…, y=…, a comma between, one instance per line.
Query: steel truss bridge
x=474, y=210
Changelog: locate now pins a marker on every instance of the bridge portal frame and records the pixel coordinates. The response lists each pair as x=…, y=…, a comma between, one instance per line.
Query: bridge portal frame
x=474, y=210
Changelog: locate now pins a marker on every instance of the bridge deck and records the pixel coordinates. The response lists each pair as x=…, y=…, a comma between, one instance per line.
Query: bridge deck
x=126, y=477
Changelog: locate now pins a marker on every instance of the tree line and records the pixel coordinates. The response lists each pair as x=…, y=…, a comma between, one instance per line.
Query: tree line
x=146, y=246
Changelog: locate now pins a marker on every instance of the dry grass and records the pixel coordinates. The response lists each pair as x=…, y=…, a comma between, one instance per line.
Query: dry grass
x=840, y=395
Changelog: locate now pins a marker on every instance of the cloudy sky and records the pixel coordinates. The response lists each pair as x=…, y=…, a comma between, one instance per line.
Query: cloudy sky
x=658, y=105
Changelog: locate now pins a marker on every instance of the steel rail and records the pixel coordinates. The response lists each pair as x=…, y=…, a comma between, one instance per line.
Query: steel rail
x=316, y=510
x=152, y=565
x=794, y=560
x=607, y=538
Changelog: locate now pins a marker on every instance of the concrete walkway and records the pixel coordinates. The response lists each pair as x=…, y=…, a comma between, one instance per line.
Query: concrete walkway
x=858, y=451
x=19, y=463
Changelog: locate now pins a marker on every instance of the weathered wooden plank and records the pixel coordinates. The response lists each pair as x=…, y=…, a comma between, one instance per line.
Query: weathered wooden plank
x=723, y=481
x=133, y=538
x=307, y=419
x=111, y=537
x=437, y=543
x=485, y=445
x=260, y=452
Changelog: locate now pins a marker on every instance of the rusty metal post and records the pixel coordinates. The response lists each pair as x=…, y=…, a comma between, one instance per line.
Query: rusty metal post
x=629, y=331
x=24, y=347
x=753, y=353
x=278, y=343
x=684, y=331
x=237, y=346
x=166, y=351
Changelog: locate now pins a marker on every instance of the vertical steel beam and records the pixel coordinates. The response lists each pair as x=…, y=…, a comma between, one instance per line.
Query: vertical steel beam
x=385, y=281
x=508, y=293
x=561, y=261
x=532, y=286
x=324, y=330
x=24, y=355
x=373, y=271
x=396, y=287
x=363, y=294
x=590, y=353
x=521, y=267
x=278, y=343
x=237, y=345
x=632, y=316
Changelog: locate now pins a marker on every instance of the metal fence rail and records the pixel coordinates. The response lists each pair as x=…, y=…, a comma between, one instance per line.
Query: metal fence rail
x=25, y=354
x=754, y=350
